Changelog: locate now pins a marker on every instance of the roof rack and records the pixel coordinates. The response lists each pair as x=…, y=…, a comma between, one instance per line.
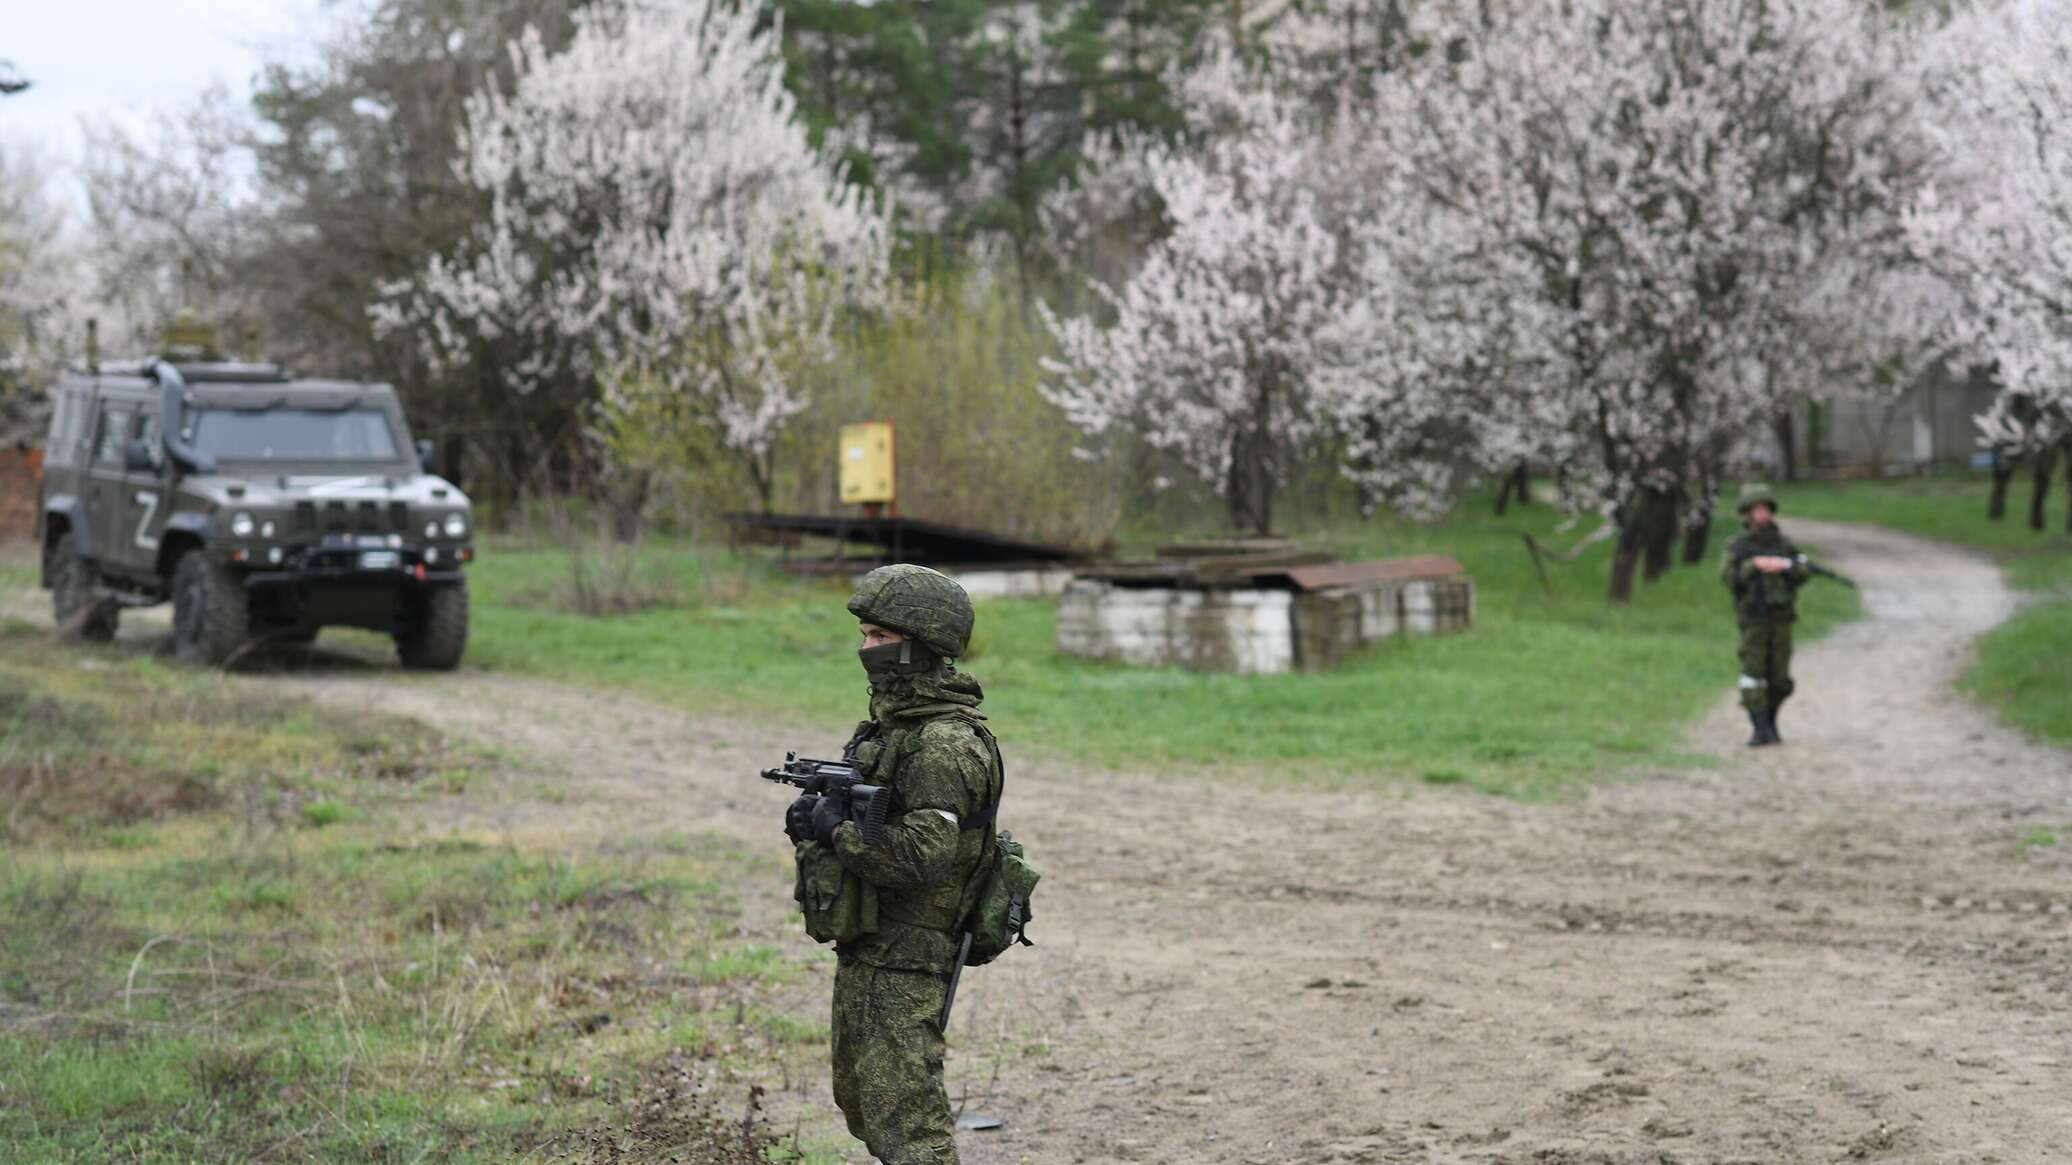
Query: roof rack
x=231, y=370
x=198, y=371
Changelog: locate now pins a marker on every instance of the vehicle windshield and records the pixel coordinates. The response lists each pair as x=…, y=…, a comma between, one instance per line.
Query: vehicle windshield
x=283, y=434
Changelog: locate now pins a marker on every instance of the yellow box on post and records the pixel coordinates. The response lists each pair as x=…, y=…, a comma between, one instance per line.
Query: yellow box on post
x=868, y=472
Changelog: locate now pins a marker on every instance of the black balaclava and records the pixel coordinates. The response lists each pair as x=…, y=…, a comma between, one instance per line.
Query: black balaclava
x=889, y=662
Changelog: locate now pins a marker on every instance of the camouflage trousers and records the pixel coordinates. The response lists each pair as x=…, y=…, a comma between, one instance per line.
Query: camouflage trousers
x=888, y=1063
x=1765, y=663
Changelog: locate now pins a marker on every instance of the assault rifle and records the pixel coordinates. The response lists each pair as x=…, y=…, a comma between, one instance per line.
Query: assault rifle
x=1820, y=571
x=1750, y=588
x=840, y=780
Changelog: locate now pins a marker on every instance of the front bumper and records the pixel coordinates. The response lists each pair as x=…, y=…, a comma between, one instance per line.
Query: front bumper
x=352, y=561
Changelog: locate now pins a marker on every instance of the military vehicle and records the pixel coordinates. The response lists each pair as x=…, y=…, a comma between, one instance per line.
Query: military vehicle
x=263, y=505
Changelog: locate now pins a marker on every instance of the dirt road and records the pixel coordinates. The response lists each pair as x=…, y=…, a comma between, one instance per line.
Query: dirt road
x=1837, y=950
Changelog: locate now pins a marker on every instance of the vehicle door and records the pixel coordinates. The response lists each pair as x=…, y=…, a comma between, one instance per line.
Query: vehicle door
x=106, y=482
x=147, y=493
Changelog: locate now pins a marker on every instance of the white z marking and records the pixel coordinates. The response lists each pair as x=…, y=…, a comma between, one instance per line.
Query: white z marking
x=149, y=500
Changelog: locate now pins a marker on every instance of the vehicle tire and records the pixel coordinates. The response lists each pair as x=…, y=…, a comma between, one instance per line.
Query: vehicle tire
x=436, y=639
x=80, y=615
x=210, y=613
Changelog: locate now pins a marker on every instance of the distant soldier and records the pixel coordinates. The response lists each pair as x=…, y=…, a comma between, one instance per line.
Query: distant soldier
x=926, y=742
x=1765, y=572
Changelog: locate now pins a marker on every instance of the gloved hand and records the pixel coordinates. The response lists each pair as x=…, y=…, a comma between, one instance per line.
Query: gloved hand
x=826, y=816
x=798, y=820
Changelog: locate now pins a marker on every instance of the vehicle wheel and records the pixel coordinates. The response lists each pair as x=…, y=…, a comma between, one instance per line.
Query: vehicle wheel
x=209, y=611
x=77, y=611
x=440, y=633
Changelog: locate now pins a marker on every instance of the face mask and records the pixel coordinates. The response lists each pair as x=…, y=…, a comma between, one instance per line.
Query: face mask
x=905, y=658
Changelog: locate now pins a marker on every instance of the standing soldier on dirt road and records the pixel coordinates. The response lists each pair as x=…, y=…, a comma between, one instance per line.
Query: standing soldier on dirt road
x=925, y=743
x=1765, y=572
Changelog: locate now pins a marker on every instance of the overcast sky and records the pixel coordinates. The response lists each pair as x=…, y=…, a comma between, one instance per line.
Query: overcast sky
x=125, y=58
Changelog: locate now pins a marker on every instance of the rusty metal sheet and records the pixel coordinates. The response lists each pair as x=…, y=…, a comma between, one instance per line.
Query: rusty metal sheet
x=1341, y=574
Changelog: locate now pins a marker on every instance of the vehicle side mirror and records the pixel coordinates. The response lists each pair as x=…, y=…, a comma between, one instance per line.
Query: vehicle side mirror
x=137, y=457
x=428, y=455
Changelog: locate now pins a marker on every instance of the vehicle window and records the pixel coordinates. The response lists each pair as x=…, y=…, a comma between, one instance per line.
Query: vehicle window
x=147, y=432
x=292, y=434
x=60, y=423
x=114, y=430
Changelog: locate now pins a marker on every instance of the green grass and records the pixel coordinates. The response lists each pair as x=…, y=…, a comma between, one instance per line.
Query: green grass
x=222, y=938
x=18, y=569
x=1553, y=687
x=2024, y=666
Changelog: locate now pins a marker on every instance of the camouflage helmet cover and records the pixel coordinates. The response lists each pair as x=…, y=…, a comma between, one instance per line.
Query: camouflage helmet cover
x=1756, y=494
x=919, y=603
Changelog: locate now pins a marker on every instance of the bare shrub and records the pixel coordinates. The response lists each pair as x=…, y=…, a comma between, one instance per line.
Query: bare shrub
x=606, y=573
x=957, y=373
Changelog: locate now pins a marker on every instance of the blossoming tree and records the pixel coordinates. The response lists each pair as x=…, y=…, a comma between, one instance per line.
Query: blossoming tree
x=657, y=221
x=1672, y=186
x=1997, y=226
x=1212, y=347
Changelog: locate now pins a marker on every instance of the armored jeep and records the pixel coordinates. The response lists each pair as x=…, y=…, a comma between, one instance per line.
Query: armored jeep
x=263, y=505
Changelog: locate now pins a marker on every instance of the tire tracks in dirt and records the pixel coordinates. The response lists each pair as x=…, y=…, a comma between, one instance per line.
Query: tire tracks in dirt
x=1837, y=950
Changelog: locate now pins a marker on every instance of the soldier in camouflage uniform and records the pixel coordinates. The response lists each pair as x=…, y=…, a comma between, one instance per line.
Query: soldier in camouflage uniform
x=926, y=742
x=1765, y=572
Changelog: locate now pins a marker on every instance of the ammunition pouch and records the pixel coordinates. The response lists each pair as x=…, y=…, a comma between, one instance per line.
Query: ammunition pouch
x=1002, y=912
x=838, y=905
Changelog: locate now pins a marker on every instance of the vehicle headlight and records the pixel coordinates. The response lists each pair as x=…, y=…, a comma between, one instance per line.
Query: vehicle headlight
x=266, y=529
x=242, y=525
x=431, y=529
x=456, y=526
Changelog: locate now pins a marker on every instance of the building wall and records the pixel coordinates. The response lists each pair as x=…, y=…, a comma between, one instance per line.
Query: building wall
x=18, y=475
x=1930, y=425
x=1246, y=631
x=1255, y=632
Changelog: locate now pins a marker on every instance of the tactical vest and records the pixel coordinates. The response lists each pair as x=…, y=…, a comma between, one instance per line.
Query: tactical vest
x=880, y=751
x=1760, y=595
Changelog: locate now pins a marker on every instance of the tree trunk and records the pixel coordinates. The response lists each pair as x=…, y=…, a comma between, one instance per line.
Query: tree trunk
x=1787, y=446
x=1518, y=484
x=2068, y=487
x=1660, y=547
x=2003, y=473
x=1647, y=532
x=2046, y=462
x=1697, y=537
x=1626, y=557
x=1251, y=484
x=1262, y=505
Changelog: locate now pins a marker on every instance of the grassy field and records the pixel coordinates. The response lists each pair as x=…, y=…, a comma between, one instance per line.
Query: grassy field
x=2024, y=667
x=223, y=938
x=1552, y=689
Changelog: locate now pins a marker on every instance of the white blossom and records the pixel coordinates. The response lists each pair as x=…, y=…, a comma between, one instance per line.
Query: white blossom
x=656, y=219
x=1217, y=338
x=1663, y=199
x=1998, y=223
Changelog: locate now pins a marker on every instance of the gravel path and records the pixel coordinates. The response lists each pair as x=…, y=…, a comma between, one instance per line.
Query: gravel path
x=1838, y=950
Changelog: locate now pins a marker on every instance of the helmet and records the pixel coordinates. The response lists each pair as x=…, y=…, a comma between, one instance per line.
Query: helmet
x=1757, y=494
x=919, y=603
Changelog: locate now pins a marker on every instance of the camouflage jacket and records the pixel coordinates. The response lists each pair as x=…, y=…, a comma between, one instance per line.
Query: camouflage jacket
x=1758, y=595
x=925, y=742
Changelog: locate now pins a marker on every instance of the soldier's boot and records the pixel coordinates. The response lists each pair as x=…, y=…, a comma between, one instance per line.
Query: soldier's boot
x=1761, y=736
x=1770, y=726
